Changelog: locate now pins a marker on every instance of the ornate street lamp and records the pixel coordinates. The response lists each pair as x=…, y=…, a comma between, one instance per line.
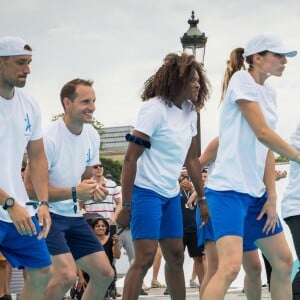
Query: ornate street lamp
x=194, y=39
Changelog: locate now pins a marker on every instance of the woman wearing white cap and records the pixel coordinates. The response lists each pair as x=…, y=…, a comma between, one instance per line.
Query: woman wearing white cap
x=240, y=191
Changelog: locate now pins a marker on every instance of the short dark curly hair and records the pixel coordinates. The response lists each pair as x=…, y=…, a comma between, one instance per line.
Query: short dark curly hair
x=173, y=77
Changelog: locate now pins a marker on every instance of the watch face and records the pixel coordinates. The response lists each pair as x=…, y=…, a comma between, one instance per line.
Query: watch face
x=9, y=202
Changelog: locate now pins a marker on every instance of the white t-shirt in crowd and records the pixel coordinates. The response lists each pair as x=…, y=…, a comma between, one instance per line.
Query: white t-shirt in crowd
x=290, y=205
x=20, y=123
x=240, y=161
x=170, y=130
x=68, y=156
x=106, y=208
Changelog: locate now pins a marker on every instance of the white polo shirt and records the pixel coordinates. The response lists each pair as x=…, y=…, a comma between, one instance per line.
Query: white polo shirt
x=20, y=123
x=105, y=208
x=170, y=130
x=68, y=156
x=240, y=161
x=290, y=205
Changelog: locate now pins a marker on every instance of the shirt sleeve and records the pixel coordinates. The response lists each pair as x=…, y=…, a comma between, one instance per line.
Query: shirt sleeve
x=194, y=124
x=37, y=128
x=49, y=150
x=243, y=87
x=150, y=117
x=295, y=138
x=95, y=146
x=117, y=193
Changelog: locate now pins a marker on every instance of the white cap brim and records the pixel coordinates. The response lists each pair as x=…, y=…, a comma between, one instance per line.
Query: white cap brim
x=285, y=51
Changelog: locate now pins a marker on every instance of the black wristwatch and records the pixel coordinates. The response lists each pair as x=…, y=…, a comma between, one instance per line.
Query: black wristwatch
x=9, y=202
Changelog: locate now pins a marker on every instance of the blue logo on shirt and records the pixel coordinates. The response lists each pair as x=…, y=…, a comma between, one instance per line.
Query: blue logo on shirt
x=88, y=156
x=27, y=123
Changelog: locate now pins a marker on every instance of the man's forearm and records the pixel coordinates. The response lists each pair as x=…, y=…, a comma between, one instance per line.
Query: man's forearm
x=39, y=177
x=3, y=196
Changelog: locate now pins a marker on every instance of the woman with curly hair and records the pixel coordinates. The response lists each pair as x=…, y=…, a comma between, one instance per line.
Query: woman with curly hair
x=162, y=141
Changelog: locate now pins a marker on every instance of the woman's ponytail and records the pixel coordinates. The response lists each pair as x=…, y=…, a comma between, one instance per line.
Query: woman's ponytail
x=235, y=63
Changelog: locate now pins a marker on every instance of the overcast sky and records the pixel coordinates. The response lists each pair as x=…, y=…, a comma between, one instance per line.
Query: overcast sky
x=120, y=43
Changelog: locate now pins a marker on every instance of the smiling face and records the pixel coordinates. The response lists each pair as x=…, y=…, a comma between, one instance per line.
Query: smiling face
x=14, y=70
x=100, y=228
x=191, y=90
x=98, y=170
x=82, y=107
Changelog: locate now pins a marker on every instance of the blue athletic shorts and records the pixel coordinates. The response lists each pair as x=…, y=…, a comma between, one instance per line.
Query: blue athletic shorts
x=253, y=228
x=204, y=233
x=155, y=217
x=72, y=235
x=234, y=213
x=23, y=251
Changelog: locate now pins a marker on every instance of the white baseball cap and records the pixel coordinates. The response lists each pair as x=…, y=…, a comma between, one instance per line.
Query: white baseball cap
x=11, y=46
x=268, y=42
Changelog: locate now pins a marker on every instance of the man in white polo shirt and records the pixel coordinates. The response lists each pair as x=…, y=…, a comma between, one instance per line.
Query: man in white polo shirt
x=72, y=148
x=21, y=236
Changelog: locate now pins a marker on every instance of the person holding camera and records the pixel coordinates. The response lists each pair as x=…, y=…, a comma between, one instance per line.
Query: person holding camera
x=190, y=239
x=110, y=242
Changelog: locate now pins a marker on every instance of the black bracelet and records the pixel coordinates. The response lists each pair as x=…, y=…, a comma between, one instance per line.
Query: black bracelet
x=44, y=203
x=126, y=203
x=34, y=204
x=74, y=197
x=74, y=194
x=134, y=139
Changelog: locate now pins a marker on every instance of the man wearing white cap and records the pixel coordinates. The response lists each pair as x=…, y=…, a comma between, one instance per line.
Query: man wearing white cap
x=21, y=233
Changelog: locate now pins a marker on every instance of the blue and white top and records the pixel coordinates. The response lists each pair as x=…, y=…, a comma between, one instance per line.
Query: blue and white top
x=290, y=205
x=170, y=130
x=20, y=123
x=68, y=156
x=240, y=161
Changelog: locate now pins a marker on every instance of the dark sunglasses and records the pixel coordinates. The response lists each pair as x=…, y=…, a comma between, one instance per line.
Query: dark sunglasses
x=98, y=166
x=184, y=177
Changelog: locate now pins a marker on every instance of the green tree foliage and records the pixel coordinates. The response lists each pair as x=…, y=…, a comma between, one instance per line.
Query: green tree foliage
x=56, y=117
x=281, y=159
x=114, y=167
